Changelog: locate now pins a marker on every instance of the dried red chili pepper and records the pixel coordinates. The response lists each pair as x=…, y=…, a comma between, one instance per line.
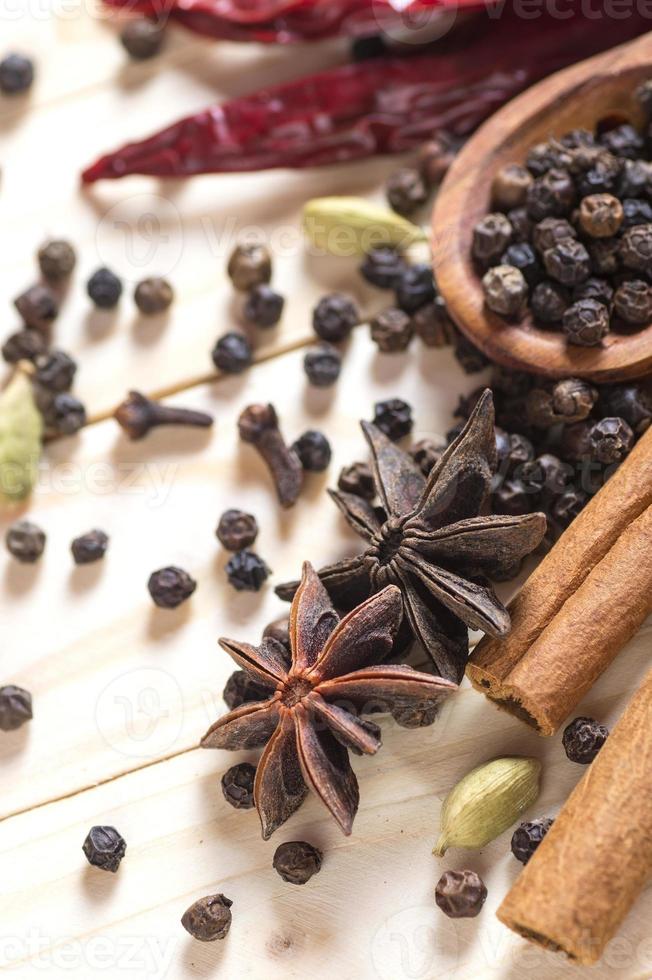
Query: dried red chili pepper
x=386, y=105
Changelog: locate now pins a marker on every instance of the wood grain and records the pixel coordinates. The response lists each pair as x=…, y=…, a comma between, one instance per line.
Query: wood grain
x=577, y=97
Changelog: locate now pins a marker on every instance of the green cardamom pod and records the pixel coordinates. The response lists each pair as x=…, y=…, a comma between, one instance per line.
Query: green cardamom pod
x=21, y=427
x=348, y=226
x=487, y=801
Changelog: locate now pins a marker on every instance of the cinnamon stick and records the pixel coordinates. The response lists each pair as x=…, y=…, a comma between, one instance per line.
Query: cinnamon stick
x=584, y=877
x=623, y=499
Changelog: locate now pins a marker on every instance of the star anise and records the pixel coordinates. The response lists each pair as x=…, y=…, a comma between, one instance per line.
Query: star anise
x=311, y=720
x=435, y=542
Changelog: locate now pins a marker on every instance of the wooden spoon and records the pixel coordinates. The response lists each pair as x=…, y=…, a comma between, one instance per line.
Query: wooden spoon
x=594, y=90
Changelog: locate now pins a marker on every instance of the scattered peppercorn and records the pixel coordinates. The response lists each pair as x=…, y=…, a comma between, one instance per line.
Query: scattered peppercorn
x=567, y=262
x=16, y=74
x=426, y=453
x=549, y=301
x=104, y=289
x=208, y=918
x=55, y=370
x=568, y=505
x=142, y=38
x=238, y=786
x=491, y=236
x=23, y=345
x=246, y=571
x=393, y=417
x=586, y=322
x=297, y=861
x=104, y=848
x=505, y=290
x=38, y=307
x=25, y=541
x=334, y=317
x=527, y=837
x=358, y=480
x=631, y=401
x=314, y=451
x=63, y=414
x=392, y=330
x=237, y=530
x=263, y=306
x=610, y=440
x=170, y=586
x=232, y=353
x=250, y=265
x=415, y=288
x=435, y=158
x=583, y=739
x=56, y=260
x=15, y=707
x=573, y=399
x=433, y=325
x=322, y=365
x=510, y=186
x=89, y=547
x=383, y=267
x=406, y=191
x=633, y=301
x=241, y=688
x=460, y=894
x=153, y=295
x=512, y=497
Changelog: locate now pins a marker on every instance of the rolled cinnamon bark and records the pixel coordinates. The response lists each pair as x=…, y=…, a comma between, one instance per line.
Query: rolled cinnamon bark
x=588, y=871
x=624, y=498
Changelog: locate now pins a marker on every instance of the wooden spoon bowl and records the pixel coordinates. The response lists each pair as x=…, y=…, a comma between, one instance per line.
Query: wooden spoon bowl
x=582, y=96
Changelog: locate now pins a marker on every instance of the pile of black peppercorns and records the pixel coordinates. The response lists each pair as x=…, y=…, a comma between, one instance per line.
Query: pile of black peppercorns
x=570, y=233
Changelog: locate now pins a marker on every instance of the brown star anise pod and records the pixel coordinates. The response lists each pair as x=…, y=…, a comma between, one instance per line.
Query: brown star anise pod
x=435, y=542
x=311, y=720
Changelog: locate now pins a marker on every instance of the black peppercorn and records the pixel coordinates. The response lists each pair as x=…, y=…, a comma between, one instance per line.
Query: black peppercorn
x=15, y=707
x=426, y=453
x=232, y=353
x=636, y=248
x=25, y=541
x=433, y=325
x=460, y=894
x=583, y=739
x=297, y=861
x=567, y=262
x=170, y=586
x=512, y=497
x=545, y=156
x=505, y=290
x=393, y=417
x=586, y=322
x=104, y=289
x=546, y=475
x=241, y=688
x=142, y=39
x=600, y=215
x=610, y=440
x=357, y=479
x=23, y=345
x=16, y=74
x=573, y=400
x=521, y=224
x=549, y=301
x=435, y=158
x=238, y=786
x=575, y=441
x=208, y=918
x=322, y=365
x=314, y=451
x=246, y=571
x=551, y=195
x=56, y=260
x=602, y=177
x=491, y=236
x=406, y=191
x=334, y=317
x=383, y=267
x=104, y=848
x=510, y=186
x=250, y=265
x=89, y=547
x=522, y=256
x=634, y=179
x=568, y=505
x=153, y=295
x=392, y=330
x=633, y=302
x=38, y=307
x=263, y=306
x=623, y=141
x=236, y=530
x=527, y=837
x=519, y=450
x=632, y=402
x=548, y=232
x=63, y=414
x=55, y=370
x=594, y=288
x=415, y=288
x=636, y=212
x=604, y=255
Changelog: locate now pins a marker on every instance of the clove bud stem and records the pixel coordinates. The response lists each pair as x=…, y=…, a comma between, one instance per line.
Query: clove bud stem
x=138, y=414
x=258, y=425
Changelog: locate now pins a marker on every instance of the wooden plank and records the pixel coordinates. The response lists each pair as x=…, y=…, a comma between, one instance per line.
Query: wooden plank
x=140, y=227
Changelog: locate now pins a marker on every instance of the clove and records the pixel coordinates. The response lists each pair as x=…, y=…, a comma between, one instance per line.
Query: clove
x=138, y=414
x=258, y=425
